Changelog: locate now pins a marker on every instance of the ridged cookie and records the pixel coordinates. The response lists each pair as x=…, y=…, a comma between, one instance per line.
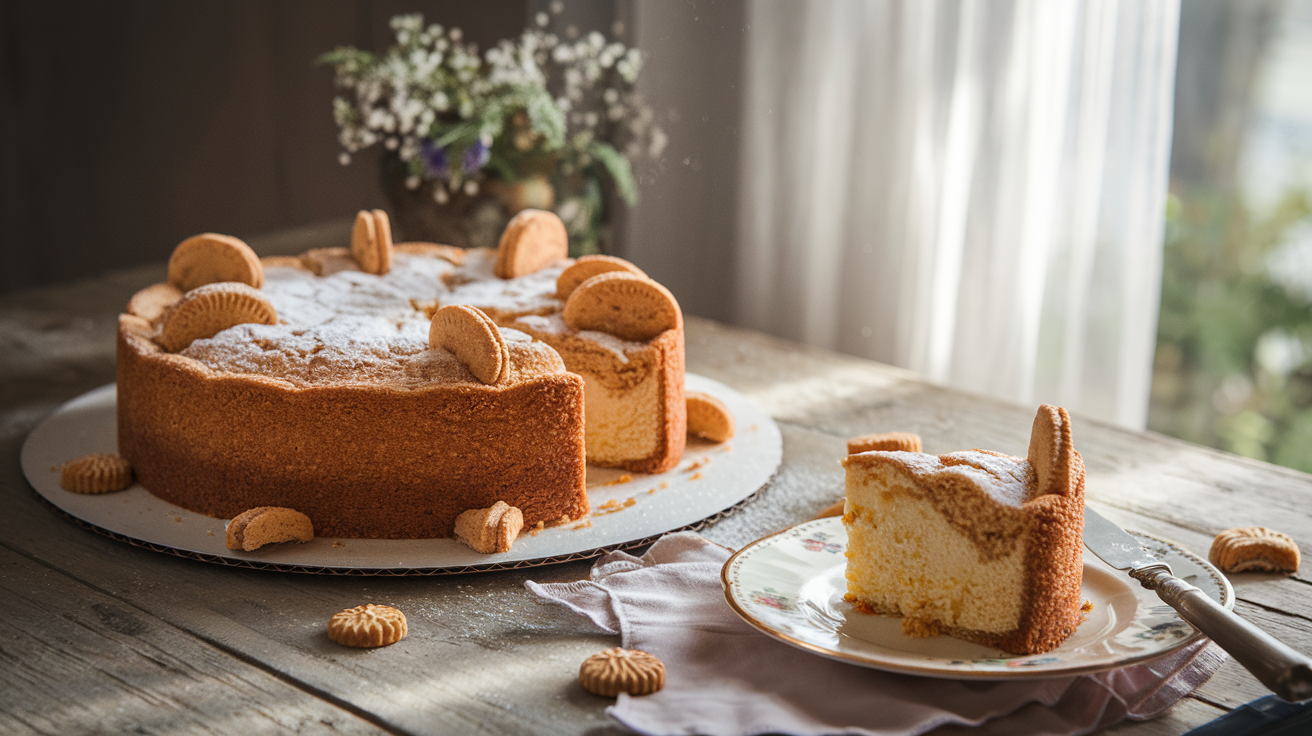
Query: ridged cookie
x=533, y=239
x=887, y=441
x=371, y=241
x=151, y=302
x=263, y=525
x=588, y=266
x=490, y=530
x=624, y=305
x=99, y=473
x=210, y=258
x=1254, y=548
x=708, y=417
x=369, y=625
x=616, y=671
x=208, y=310
x=474, y=339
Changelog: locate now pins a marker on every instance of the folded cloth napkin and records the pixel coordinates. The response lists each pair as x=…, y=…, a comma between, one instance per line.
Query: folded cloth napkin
x=724, y=678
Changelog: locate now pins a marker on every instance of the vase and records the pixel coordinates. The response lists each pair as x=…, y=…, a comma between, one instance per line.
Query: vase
x=464, y=220
x=476, y=220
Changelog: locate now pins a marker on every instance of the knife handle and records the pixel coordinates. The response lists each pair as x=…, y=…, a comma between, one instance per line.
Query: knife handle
x=1285, y=671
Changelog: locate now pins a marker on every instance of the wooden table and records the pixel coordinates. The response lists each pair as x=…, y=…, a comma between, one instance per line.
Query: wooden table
x=102, y=636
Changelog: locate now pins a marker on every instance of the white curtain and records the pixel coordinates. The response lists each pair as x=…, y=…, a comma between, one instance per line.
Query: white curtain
x=972, y=190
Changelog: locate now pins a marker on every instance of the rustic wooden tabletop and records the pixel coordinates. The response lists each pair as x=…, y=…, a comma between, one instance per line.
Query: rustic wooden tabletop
x=102, y=636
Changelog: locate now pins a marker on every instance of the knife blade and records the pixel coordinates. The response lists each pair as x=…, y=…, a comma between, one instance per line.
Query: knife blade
x=1286, y=672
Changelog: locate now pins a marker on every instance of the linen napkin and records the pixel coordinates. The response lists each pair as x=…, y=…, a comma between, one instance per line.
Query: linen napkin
x=724, y=678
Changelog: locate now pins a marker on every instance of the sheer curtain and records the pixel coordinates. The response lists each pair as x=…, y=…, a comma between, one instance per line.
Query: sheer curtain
x=972, y=190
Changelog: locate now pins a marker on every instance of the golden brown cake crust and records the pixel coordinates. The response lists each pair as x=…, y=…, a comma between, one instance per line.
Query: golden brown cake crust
x=359, y=461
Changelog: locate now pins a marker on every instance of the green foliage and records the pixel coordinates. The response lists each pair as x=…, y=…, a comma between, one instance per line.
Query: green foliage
x=1234, y=345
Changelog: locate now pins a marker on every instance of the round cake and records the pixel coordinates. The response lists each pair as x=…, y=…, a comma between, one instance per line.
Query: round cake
x=339, y=401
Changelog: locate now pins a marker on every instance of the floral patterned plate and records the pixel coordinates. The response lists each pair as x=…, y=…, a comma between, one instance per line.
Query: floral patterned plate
x=790, y=586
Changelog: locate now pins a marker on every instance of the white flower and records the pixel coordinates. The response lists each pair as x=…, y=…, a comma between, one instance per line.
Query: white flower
x=391, y=143
x=344, y=158
x=455, y=35
x=557, y=7
x=439, y=194
x=658, y=142
x=611, y=96
x=542, y=19
x=471, y=187
x=596, y=40
x=412, y=182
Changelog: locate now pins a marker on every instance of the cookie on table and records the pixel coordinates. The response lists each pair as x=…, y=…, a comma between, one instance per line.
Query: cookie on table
x=369, y=625
x=1254, y=548
x=616, y=671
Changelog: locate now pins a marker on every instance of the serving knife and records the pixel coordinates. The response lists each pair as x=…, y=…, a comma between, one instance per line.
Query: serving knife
x=1286, y=672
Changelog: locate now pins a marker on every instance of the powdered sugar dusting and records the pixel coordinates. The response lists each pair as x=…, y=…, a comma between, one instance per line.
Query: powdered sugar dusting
x=475, y=285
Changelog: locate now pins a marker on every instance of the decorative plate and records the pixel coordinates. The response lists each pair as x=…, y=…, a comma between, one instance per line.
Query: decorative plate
x=791, y=585
x=628, y=509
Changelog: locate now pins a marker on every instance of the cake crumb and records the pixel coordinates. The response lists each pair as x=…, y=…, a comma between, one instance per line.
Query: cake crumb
x=726, y=448
x=587, y=524
x=651, y=491
x=695, y=476
x=209, y=532
x=664, y=484
x=612, y=506
x=1088, y=606
x=338, y=543
x=919, y=628
x=697, y=464
x=177, y=519
x=622, y=479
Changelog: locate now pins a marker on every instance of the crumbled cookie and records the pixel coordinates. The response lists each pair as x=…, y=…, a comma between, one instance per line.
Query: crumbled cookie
x=474, y=339
x=708, y=417
x=328, y=261
x=257, y=527
x=371, y=241
x=208, y=310
x=369, y=625
x=888, y=441
x=624, y=305
x=616, y=671
x=211, y=258
x=533, y=239
x=151, y=302
x=588, y=266
x=490, y=530
x=98, y=473
x=449, y=253
x=1253, y=548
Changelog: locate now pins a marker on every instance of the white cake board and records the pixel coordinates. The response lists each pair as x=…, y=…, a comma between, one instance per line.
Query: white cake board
x=710, y=482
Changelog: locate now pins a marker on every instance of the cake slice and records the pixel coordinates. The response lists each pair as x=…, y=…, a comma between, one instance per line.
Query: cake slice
x=977, y=545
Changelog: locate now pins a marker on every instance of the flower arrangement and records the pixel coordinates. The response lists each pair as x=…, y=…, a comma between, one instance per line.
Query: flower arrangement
x=540, y=121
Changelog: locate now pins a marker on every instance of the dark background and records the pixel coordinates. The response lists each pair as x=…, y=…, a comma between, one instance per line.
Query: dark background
x=128, y=126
